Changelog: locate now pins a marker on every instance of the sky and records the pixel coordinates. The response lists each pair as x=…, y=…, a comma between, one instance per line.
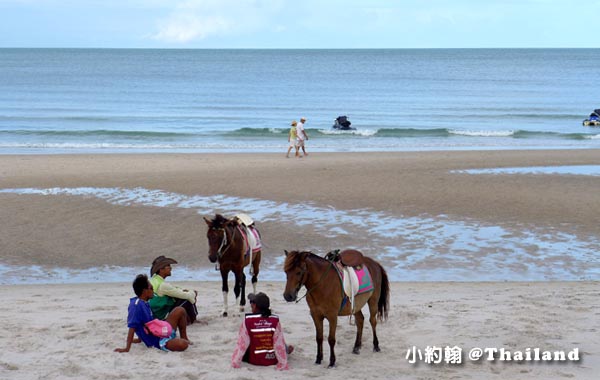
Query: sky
x=194, y=24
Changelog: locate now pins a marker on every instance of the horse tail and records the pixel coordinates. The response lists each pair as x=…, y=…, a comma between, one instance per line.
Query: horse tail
x=383, y=304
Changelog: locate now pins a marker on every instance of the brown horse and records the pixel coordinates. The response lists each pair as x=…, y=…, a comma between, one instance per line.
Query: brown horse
x=227, y=245
x=325, y=297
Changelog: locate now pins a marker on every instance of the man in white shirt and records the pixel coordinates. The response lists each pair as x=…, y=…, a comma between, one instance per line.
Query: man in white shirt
x=301, y=135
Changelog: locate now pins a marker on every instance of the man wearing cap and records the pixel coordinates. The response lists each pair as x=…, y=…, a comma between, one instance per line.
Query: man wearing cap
x=302, y=135
x=168, y=296
x=260, y=339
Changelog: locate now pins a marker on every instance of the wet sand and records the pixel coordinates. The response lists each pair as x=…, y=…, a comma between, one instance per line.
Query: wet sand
x=86, y=232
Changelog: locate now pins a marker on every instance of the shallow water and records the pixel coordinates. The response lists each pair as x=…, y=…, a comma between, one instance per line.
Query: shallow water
x=411, y=248
x=588, y=170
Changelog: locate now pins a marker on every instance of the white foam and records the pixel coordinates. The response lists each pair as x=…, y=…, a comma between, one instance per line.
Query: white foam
x=482, y=133
x=359, y=132
x=588, y=170
x=35, y=274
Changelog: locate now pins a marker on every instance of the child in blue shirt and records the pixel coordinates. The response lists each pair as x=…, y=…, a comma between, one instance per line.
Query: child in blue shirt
x=139, y=314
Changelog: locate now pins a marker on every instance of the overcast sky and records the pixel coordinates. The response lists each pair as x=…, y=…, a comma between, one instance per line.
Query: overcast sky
x=299, y=23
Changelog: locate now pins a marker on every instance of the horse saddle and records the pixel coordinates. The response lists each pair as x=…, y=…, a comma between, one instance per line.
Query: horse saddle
x=245, y=219
x=351, y=258
x=348, y=257
x=249, y=232
x=355, y=276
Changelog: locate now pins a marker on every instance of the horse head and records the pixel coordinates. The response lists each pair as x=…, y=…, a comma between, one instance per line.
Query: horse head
x=216, y=236
x=296, y=272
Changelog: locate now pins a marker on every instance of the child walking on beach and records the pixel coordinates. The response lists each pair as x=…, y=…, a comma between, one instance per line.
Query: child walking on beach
x=141, y=322
x=292, y=137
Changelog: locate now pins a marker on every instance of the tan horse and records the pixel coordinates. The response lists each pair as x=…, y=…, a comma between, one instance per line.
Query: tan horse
x=227, y=246
x=325, y=297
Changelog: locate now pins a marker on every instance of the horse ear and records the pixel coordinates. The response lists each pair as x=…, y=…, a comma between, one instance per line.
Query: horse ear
x=208, y=222
x=286, y=252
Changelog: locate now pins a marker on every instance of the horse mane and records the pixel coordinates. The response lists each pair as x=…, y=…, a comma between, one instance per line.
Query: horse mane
x=295, y=258
x=219, y=221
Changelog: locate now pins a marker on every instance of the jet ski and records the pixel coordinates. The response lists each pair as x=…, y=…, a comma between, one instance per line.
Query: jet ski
x=593, y=120
x=342, y=123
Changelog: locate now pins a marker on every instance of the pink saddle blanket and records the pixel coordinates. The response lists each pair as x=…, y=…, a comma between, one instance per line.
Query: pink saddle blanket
x=251, y=238
x=364, y=283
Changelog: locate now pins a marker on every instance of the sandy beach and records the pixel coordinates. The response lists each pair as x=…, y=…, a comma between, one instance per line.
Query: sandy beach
x=117, y=211
x=70, y=331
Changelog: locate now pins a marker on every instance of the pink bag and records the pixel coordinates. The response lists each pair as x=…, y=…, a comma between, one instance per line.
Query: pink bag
x=161, y=329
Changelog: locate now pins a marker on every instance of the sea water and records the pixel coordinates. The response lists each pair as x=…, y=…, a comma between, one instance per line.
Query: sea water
x=138, y=100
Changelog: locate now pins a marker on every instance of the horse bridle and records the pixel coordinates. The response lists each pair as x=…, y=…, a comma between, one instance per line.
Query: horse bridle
x=301, y=282
x=224, y=246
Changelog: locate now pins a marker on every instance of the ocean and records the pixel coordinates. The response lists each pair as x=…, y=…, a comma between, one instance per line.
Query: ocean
x=138, y=100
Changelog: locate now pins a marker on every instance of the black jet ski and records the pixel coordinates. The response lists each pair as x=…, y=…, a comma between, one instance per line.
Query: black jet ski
x=343, y=124
x=593, y=120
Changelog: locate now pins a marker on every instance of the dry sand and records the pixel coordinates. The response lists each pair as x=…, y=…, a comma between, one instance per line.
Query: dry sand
x=69, y=331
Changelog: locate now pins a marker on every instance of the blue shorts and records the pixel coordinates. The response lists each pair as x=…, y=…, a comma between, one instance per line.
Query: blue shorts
x=163, y=342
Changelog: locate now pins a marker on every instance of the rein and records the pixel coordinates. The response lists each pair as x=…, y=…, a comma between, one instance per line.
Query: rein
x=318, y=282
x=221, y=251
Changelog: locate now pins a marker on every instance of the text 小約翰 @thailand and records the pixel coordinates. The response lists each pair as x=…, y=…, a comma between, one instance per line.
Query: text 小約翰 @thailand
x=456, y=355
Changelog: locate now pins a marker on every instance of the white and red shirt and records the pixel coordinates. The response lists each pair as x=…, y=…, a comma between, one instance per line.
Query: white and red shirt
x=263, y=338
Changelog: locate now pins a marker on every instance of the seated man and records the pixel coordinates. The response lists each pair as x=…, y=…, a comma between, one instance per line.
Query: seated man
x=139, y=314
x=168, y=296
x=260, y=340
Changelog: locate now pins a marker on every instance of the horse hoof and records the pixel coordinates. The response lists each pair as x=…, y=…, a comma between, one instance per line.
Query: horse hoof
x=331, y=366
x=356, y=350
x=376, y=349
x=224, y=314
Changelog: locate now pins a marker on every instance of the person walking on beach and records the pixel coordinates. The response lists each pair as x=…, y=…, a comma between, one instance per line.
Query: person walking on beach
x=168, y=296
x=260, y=339
x=302, y=135
x=140, y=317
x=292, y=139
